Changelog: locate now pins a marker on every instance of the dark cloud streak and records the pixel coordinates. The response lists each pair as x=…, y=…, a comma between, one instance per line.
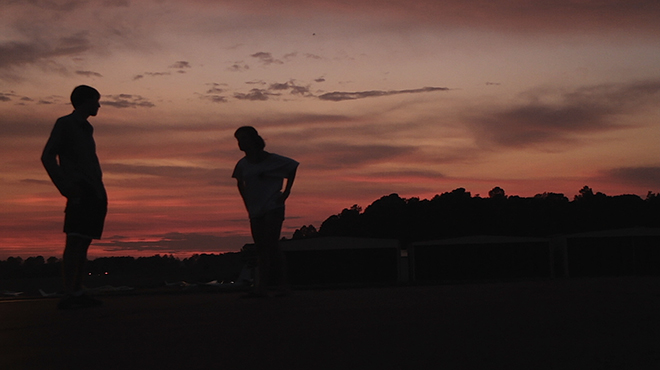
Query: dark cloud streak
x=341, y=96
x=178, y=172
x=20, y=53
x=174, y=242
x=88, y=74
x=126, y=101
x=238, y=67
x=266, y=58
x=585, y=110
x=180, y=65
x=328, y=156
x=640, y=176
x=255, y=95
x=63, y=6
x=408, y=175
x=157, y=74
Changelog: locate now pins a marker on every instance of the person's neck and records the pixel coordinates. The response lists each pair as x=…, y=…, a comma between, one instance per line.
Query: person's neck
x=256, y=156
x=80, y=114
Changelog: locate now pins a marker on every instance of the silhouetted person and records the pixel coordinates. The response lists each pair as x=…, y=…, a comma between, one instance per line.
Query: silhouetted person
x=260, y=177
x=71, y=162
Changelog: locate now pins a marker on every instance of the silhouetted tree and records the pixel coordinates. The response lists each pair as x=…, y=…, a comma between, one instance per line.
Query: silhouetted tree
x=305, y=232
x=458, y=213
x=451, y=214
x=203, y=268
x=344, y=224
x=497, y=193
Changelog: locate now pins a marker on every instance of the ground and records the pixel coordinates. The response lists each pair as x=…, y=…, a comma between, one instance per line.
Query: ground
x=604, y=323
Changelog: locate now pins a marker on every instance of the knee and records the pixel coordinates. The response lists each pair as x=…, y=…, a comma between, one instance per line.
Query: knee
x=76, y=244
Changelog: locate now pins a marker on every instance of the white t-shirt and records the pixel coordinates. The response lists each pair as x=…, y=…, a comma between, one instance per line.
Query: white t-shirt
x=263, y=182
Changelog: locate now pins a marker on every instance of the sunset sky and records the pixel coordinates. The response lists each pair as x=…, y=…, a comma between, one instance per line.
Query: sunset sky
x=415, y=97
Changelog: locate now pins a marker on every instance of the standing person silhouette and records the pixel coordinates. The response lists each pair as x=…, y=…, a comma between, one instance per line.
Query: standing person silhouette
x=71, y=162
x=260, y=176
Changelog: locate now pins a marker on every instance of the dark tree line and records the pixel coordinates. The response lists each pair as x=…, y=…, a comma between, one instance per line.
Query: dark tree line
x=30, y=267
x=458, y=213
x=451, y=214
x=199, y=267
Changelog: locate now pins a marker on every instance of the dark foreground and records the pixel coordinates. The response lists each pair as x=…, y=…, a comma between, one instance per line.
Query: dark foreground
x=611, y=323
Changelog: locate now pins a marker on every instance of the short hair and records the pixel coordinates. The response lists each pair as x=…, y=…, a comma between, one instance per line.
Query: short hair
x=252, y=132
x=82, y=93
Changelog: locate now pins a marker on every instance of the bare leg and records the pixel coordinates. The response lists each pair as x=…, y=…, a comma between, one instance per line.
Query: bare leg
x=73, y=272
x=73, y=263
x=266, y=234
x=278, y=271
x=272, y=231
x=262, y=272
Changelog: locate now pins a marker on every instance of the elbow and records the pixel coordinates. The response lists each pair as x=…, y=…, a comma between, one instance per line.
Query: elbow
x=48, y=159
x=45, y=159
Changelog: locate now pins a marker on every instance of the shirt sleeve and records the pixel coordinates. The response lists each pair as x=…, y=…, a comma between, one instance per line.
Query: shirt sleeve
x=237, y=171
x=282, y=166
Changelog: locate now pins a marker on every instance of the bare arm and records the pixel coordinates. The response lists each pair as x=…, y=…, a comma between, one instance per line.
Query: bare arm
x=241, y=190
x=49, y=160
x=289, y=184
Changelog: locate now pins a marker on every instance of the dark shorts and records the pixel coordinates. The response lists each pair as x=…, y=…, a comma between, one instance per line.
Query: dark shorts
x=85, y=216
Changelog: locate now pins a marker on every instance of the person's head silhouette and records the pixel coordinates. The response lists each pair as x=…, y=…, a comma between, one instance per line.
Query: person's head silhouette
x=85, y=100
x=249, y=140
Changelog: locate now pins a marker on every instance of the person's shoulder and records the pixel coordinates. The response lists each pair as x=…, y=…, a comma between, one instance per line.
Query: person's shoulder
x=66, y=120
x=239, y=168
x=275, y=156
x=241, y=162
x=69, y=117
x=280, y=158
x=62, y=124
